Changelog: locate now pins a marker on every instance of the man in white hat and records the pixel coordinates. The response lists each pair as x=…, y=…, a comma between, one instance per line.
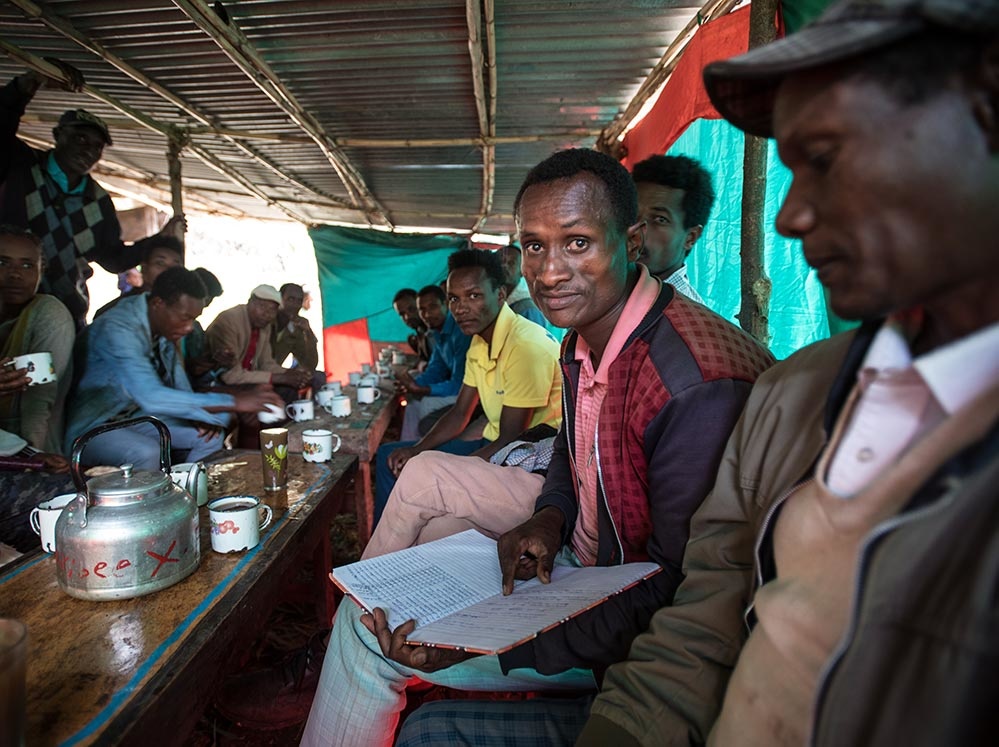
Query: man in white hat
x=246, y=331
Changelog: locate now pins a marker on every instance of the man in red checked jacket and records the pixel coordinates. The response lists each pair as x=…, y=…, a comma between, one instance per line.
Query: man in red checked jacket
x=654, y=384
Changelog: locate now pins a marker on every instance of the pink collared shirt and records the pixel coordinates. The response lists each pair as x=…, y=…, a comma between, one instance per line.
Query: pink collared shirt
x=589, y=398
x=901, y=398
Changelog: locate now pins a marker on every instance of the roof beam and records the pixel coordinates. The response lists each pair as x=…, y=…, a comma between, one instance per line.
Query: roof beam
x=485, y=98
x=351, y=142
x=49, y=70
x=244, y=55
x=61, y=25
x=608, y=141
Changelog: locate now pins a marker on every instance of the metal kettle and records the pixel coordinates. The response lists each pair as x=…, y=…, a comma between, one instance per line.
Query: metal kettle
x=127, y=533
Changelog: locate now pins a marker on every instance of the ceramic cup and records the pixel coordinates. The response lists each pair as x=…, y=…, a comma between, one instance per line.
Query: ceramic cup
x=237, y=521
x=332, y=386
x=339, y=406
x=368, y=394
x=318, y=444
x=40, y=368
x=274, y=457
x=300, y=410
x=43, y=518
x=323, y=397
x=384, y=370
x=354, y=377
x=192, y=477
x=271, y=414
x=398, y=358
x=369, y=380
x=365, y=368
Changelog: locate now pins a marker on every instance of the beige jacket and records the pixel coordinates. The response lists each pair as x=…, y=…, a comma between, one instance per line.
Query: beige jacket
x=231, y=329
x=920, y=652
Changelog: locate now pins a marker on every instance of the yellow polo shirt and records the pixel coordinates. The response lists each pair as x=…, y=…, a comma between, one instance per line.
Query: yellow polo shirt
x=520, y=369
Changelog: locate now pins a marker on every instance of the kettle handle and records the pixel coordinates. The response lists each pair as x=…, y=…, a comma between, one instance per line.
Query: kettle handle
x=81, y=442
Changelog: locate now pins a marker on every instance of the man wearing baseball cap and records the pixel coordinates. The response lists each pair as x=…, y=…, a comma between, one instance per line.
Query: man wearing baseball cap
x=854, y=515
x=51, y=193
x=840, y=579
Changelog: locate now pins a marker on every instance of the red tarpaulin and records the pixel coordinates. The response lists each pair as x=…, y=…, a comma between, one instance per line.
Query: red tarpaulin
x=684, y=99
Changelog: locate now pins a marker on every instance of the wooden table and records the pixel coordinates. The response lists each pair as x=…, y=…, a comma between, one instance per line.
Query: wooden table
x=360, y=432
x=140, y=671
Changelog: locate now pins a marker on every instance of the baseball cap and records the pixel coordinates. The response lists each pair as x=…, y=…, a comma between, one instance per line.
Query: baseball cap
x=743, y=88
x=266, y=293
x=83, y=118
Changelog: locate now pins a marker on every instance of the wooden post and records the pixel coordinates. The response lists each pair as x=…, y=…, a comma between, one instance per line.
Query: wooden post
x=174, y=147
x=756, y=286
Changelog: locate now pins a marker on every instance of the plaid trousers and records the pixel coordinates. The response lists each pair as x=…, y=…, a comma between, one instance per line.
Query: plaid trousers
x=539, y=722
x=361, y=693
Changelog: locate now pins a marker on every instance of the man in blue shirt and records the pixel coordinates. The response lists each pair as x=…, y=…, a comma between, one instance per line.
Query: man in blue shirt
x=128, y=366
x=436, y=388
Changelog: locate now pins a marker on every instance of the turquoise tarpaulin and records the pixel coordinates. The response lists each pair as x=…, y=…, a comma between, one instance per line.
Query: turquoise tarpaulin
x=360, y=271
x=797, y=306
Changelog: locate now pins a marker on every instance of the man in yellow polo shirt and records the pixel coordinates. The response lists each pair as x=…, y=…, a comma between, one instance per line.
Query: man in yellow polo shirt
x=511, y=369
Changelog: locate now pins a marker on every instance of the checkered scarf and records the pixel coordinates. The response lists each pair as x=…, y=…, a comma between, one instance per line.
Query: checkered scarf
x=66, y=224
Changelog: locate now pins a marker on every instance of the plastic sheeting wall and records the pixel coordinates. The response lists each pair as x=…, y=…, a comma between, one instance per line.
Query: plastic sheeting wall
x=797, y=305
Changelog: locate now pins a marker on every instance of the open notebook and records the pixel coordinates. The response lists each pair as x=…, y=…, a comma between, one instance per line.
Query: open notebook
x=453, y=589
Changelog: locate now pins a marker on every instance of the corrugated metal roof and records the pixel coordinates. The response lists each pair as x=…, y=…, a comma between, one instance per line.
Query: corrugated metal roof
x=367, y=109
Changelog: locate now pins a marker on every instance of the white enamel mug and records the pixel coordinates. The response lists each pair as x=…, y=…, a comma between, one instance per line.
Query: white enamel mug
x=192, y=477
x=318, y=444
x=40, y=368
x=237, y=521
x=368, y=394
x=43, y=518
x=300, y=410
x=323, y=397
x=339, y=406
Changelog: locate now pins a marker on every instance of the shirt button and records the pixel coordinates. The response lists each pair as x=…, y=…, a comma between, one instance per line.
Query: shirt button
x=865, y=455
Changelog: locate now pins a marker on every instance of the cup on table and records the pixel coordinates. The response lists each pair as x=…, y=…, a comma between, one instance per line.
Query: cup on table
x=354, y=377
x=300, y=410
x=271, y=414
x=192, y=477
x=318, y=444
x=323, y=397
x=369, y=380
x=398, y=358
x=40, y=368
x=338, y=406
x=368, y=394
x=384, y=370
x=44, y=516
x=274, y=457
x=13, y=681
x=365, y=368
x=332, y=386
x=237, y=521
x=385, y=356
